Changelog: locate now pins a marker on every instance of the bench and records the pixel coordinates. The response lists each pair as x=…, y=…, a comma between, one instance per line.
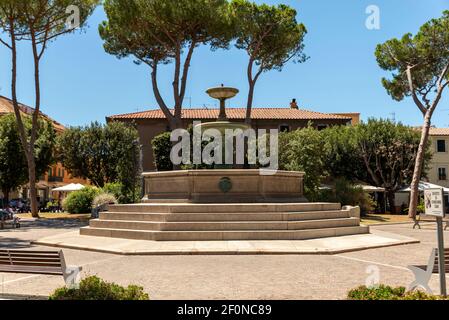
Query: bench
x=38, y=262
x=423, y=273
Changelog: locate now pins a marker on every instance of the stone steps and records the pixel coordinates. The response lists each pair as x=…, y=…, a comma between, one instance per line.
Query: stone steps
x=226, y=216
x=223, y=207
x=235, y=221
x=224, y=225
x=223, y=235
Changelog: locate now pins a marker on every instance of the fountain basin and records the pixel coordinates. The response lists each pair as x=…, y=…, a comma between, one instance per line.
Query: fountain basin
x=224, y=186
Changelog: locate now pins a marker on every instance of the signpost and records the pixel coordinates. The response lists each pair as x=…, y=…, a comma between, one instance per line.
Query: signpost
x=434, y=206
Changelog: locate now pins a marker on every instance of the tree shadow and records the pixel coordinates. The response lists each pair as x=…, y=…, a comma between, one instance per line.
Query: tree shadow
x=14, y=243
x=374, y=218
x=53, y=223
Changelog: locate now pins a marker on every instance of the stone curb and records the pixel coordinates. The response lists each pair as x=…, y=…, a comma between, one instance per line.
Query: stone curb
x=225, y=252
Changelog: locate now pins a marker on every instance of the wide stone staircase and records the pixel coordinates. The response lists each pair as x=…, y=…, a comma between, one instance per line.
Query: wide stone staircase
x=243, y=221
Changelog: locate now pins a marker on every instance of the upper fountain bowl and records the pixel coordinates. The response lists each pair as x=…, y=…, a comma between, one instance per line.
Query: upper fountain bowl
x=222, y=92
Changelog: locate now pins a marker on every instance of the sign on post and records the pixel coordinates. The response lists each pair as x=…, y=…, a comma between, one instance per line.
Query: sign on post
x=434, y=202
x=434, y=206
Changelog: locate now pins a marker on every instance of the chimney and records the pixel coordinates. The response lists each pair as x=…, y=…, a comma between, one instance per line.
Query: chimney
x=293, y=104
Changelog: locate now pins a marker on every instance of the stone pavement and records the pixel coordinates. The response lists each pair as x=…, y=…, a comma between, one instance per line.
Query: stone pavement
x=331, y=245
x=230, y=276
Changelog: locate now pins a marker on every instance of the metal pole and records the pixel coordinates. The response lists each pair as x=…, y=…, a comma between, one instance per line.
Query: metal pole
x=441, y=267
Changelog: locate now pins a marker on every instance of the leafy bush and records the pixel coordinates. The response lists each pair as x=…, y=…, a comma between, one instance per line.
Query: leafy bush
x=123, y=193
x=346, y=193
x=104, y=198
x=94, y=288
x=80, y=201
x=161, y=151
x=384, y=292
x=302, y=150
x=114, y=188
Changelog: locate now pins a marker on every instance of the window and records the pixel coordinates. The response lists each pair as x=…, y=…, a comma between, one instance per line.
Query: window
x=49, y=172
x=284, y=128
x=442, y=174
x=441, y=145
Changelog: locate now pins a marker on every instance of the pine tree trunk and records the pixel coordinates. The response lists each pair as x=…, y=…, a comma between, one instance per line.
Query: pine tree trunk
x=414, y=192
x=33, y=189
x=249, y=104
x=29, y=152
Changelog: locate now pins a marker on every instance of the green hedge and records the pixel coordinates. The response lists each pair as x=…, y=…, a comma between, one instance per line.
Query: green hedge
x=80, y=201
x=94, y=288
x=384, y=292
x=161, y=150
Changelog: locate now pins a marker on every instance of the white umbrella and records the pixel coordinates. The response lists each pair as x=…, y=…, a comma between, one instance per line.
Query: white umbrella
x=70, y=187
x=424, y=186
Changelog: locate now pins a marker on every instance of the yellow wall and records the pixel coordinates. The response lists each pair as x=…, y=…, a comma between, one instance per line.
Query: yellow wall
x=439, y=160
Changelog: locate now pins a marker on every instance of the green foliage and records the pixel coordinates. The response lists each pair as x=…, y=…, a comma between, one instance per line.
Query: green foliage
x=104, y=154
x=13, y=165
x=346, y=193
x=302, y=150
x=159, y=32
x=103, y=199
x=379, y=152
x=80, y=201
x=269, y=34
x=43, y=21
x=116, y=189
x=94, y=288
x=426, y=54
x=146, y=29
x=384, y=292
x=161, y=151
x=341, y=153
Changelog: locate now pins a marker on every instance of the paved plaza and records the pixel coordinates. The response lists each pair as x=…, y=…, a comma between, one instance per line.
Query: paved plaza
x=303, y=276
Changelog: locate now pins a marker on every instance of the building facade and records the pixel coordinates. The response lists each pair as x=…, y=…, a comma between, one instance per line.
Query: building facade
x=56, y=176
x=439, y=166
x=153, y=122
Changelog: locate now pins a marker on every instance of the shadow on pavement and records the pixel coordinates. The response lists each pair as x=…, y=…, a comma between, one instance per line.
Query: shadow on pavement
x=53, y=223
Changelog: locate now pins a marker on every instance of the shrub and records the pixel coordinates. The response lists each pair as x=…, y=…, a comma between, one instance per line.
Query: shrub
x=161, y=151
x=103, y=198
x=80, y=201
x=122, y=193
x=114, y=188
x=384, y=292
x=346, y=193
x=94, y=288
x=302, y=150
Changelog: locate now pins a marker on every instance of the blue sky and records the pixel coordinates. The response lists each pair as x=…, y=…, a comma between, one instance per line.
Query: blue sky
x=81, y=83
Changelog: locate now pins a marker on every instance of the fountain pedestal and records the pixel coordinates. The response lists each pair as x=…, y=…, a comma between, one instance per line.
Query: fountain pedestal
x=224, y=186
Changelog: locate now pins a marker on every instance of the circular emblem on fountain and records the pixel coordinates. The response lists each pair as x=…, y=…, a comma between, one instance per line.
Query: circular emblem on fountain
x=225, y=184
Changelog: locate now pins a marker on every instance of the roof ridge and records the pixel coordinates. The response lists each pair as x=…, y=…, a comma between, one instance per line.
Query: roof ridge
x=235, y=113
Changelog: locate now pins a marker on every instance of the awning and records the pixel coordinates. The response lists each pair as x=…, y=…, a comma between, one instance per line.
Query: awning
x=368, y=188
x=365, y=188
x=69, y=188
x=424, y=186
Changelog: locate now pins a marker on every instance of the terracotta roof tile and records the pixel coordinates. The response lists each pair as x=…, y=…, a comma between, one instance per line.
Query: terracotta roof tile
x=439, y=131
x=6, y=107
x=238, y=113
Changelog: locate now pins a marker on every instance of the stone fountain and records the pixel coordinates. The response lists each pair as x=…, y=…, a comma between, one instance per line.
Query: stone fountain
x=225, y=204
